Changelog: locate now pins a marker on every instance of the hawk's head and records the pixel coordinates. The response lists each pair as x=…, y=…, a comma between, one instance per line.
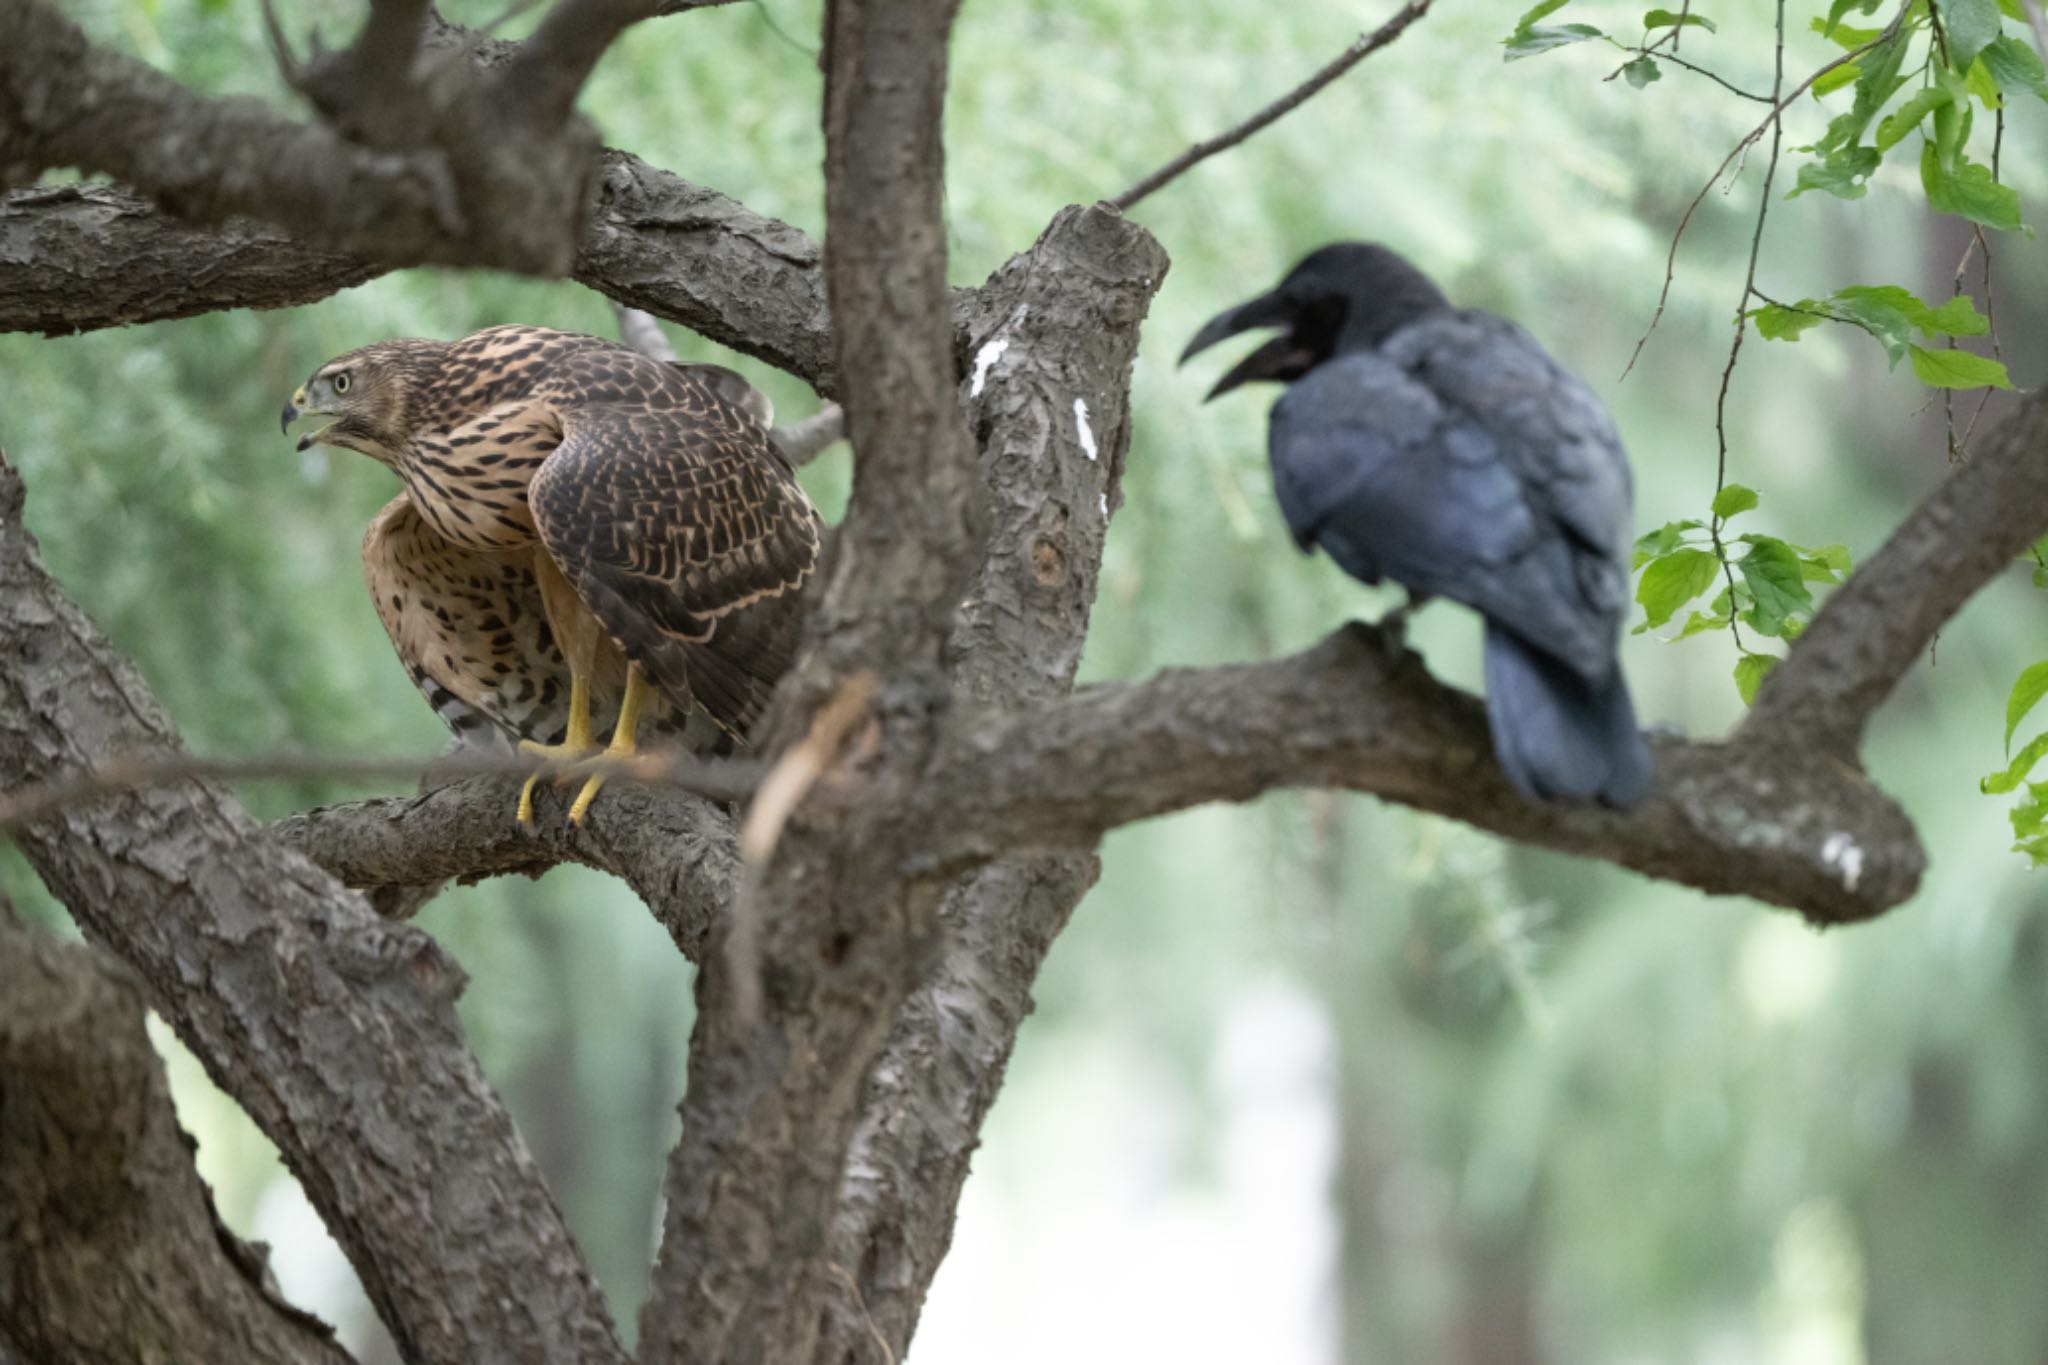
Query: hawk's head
x=371, y=394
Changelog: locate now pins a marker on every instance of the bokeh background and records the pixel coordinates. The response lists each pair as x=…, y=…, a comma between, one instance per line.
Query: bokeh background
x=1310, y=1080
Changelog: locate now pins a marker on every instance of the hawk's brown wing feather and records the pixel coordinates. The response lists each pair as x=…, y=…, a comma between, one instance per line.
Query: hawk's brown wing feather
x=472, y=631
x=680, y=530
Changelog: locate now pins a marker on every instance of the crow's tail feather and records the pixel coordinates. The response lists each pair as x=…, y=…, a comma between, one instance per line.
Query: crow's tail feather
x=1557, y=736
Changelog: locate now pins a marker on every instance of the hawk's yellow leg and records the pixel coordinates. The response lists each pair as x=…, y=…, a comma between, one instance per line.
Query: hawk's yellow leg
x=622, y=741
x=575, y=744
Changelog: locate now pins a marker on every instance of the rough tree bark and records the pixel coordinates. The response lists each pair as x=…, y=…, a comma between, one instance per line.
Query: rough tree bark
x=109, y=1247
x=898, y=925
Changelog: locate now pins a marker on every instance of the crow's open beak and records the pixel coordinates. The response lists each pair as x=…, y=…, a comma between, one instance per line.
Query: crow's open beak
x=1274, y=360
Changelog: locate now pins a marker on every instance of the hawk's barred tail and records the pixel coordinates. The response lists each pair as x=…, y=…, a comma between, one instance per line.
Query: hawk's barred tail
x=1558, y=736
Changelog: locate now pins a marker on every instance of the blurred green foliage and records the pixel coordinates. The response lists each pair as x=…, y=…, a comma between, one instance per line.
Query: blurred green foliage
x=1606, y=1119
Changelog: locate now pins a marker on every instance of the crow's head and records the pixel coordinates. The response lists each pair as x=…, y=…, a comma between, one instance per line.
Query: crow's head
x=1349, y=296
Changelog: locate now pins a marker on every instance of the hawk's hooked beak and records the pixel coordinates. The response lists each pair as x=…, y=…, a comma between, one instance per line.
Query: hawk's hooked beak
x=293, y=411
x=1280, y=358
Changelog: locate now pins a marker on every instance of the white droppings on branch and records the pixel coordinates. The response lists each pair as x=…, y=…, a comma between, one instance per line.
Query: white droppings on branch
x=984, y=361
x=1842, y=853
x=1087, y=432
x=1103, y=499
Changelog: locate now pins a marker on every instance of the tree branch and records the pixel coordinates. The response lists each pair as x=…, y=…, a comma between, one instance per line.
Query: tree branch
x=915, y=520
x=335, y=1031
x=1365, y=46
x=75, y=258
x=462, y=172
x=774, y=1101
x=1980, y=519
x=1780, y=823
x=107, y=1233
x=547, y=71
x=1049, y=386
x=674, y=849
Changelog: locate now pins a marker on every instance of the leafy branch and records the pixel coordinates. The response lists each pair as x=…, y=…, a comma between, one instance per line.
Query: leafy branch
x=1926, y=73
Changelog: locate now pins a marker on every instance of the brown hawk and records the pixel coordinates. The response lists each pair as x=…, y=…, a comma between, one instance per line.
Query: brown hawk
x=579, y=521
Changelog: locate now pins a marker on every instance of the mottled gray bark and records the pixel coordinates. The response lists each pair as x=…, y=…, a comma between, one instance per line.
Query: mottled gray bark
x=335, y=1030
x=110, y=1251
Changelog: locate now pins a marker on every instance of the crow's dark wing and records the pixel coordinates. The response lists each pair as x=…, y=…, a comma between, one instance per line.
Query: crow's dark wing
x=686, y=537
x=1462, y=461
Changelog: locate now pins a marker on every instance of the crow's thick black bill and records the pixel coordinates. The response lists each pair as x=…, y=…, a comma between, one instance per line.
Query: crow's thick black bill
x=1267, y=310
x=1282, y=358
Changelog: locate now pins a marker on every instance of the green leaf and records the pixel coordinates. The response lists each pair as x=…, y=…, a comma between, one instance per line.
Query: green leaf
x=1968, y=191
x=1835, y=77
x=1885, y=311
x=1672, y=581
x=1642, y=71
x=2029, y=689
x=2030, y=814
x=1982, y=85
x=1750, y=672
x=1998, y=783
x=1956, y=318
x=1892, y=129
x=1849, y=37
x=1543, y=9
x=1662, y=541
x=1664, y=18
x=1842, y=7
x=2016, y=66
x=1527, y=42
x=1951, y=121
x=1775, y=322
x=1841, y=174
x=1946, y=369
x=1877, y=80
x=1776, y=584
x=1970, y=26
x=1829, y=564
x=1732, y=499
x=1697, y=623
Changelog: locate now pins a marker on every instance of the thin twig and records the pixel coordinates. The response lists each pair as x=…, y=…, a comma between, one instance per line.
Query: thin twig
x=867, y=1319
x=723, y=779
x=1367, y=44
x=1756, y=245
x=639, y=330
x=805, y=440
x=1714, y=76
x=1778, y=107
x=1962, y=448
x=776, y=798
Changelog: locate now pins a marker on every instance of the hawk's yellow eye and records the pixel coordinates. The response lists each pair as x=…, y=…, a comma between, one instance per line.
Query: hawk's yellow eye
x=341, y=382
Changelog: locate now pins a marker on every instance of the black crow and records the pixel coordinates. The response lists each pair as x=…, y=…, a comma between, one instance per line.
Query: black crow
x=1441, y=449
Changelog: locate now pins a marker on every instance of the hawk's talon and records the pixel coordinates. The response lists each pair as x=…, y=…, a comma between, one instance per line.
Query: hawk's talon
x=621, y=746
x=552, y=756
